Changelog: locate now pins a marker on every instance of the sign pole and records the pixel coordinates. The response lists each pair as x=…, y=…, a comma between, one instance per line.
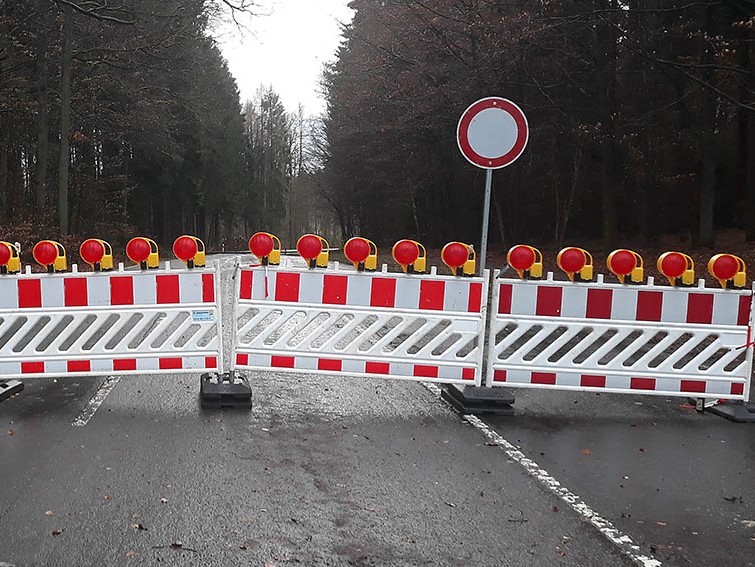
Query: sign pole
x=485, y=220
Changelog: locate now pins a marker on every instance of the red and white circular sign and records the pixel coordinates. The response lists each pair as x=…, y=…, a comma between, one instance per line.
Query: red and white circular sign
x=492, y=133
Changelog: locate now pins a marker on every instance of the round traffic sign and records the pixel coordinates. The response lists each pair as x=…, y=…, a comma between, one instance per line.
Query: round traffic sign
x=492, y=133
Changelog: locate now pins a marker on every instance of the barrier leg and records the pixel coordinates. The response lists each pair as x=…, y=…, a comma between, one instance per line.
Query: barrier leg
x=741, y=412
x=473, y=399
x=227, y=390
x=10, y=387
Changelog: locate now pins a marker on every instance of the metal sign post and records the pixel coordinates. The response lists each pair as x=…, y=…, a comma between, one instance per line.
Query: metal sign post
x=492, y=133
x=485, y=220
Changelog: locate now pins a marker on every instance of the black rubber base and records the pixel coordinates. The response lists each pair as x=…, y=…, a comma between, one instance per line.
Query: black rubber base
x=10, y=387
x=227, y=390
x=474, y=400
x=740, y=412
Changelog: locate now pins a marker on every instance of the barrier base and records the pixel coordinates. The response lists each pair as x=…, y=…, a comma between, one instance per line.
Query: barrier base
x=472, y=399
x=740, y=412
x=227, y=390
x=10, y=387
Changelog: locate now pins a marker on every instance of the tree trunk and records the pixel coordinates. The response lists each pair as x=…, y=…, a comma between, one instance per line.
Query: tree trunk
x=607, y=44
x=747, y=138
x=65, y=122
x=705, y=236
x=4, y=150
x=43, y=123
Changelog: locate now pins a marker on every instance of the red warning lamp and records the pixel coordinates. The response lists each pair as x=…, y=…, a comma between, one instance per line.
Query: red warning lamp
x=309, y=247
x=410, y=255
x=460, y=258
x=678, y=268
x=729, y=270
x=356, y=249
x=623, y=263
x=92, y=251
x=261, y=244
x=266, y=247
x=4, y=255
x=526, y=260
x=97, y=253
x=51, y=255
x=362, y=253
x=576, y=262
x=186, y=249
x=405, y=252
x=143, y=251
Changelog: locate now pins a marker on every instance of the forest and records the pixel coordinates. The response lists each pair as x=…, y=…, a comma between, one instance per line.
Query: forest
x=122, y=118
x=641, y=117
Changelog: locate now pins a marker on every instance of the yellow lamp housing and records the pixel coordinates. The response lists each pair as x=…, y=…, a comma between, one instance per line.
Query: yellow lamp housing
x=420, y=264
x=322, y=258
x=274, y=258
x=153, y=260
x=736, y=281
x=370, y=263
x=200, y=260
x=13, y=266
x=469, y=268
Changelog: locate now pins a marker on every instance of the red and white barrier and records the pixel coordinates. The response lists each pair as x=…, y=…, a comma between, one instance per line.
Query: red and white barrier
x=620, y=338
x=410, y=327
x=119, y=322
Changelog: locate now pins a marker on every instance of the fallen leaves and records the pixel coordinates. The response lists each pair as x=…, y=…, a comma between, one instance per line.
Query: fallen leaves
x=749, y=523
x=661, y=524
x=131, y=554
x=9, y=433
x=49, y=513
x=138, y=527
x=586, y=452
x=56, y=532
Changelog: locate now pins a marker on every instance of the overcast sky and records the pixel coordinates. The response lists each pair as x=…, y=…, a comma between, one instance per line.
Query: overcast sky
x=286, y=47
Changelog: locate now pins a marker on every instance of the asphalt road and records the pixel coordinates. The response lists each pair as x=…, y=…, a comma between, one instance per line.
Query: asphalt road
x=332, y=471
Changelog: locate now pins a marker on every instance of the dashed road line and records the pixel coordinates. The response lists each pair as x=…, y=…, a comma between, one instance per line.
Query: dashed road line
x=620, y=540
x=96, y=401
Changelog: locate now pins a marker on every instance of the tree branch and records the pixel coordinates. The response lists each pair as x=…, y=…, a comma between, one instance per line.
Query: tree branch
x=93, y=12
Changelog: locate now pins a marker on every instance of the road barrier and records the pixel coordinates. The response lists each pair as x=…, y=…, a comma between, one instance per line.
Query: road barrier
x=425, y=328
x=617, y=338
x=584, y=334
x=113, y=323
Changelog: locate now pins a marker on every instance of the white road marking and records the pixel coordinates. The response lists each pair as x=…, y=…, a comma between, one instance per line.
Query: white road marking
x=96, y=401
x=622, y=541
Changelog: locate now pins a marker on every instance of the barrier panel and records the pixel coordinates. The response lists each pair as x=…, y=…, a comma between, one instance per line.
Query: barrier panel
x=389, y=325
x=122, y=322
x=595, y=336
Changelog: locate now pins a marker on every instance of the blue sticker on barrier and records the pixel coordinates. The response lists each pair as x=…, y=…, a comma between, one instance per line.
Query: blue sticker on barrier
x=202, y=316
